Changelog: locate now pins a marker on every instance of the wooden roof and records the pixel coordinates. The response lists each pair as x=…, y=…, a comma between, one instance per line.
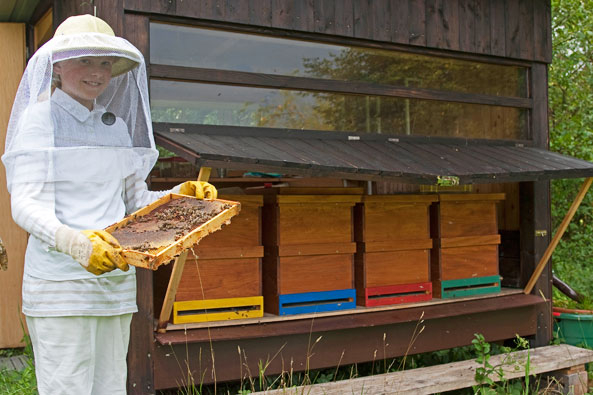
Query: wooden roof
x=421, y=160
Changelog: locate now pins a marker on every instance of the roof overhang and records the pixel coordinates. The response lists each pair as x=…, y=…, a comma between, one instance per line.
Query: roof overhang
x=419, y=160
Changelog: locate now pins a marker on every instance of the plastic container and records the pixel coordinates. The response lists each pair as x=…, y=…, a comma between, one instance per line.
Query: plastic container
x=574, y=327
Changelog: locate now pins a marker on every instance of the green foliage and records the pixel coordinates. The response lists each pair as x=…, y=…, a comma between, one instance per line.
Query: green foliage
x=571, y=133
x=490, y=377
x=19, y=382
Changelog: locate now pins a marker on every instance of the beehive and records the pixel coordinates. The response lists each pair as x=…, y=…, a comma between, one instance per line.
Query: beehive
x=308, y=264
x=392, y=262
x=464, y=259
x=222, y=275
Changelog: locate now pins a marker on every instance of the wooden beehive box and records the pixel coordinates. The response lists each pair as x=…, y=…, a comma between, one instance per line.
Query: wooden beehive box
x=222, y=278
x=308, y=264
x=392, y=262
x=464, y=260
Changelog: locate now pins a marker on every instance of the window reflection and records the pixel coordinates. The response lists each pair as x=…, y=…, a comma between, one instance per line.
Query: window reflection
x=210, y=104
x=205, y=48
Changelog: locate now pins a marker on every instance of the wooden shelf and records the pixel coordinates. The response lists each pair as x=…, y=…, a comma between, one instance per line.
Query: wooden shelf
x=269, y=325
x=215, y=180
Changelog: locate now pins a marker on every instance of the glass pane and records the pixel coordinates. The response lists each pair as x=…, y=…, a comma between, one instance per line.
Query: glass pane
x=206, y=48
x=209, y=104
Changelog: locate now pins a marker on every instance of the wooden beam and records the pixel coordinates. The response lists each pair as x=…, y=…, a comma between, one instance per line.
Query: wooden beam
x=204, y=174
x=552, y=246
x=242, y=78
x=176, y=273
x=452, y=376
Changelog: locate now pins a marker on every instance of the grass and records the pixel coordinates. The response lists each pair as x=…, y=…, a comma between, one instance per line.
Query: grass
x=19, y=382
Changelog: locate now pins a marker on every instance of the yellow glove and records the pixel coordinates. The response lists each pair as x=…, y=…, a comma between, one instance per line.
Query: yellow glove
x=199, y=189
x=106, y=254
x=96, y=250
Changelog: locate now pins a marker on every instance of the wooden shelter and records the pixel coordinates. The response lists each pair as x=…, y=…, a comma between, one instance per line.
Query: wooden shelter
x=373, y=98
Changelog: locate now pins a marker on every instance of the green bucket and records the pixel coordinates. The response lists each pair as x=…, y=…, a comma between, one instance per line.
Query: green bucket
x=575, y=329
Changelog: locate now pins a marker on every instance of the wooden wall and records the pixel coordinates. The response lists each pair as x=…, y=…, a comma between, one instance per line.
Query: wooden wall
x=519, y=29
x=509, y=28
x=12, y=41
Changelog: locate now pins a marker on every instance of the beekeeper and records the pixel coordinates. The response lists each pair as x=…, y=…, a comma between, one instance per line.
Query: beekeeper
x=79, y=146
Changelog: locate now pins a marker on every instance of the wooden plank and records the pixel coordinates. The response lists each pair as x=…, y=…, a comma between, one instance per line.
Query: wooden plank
x=399, y=199
x=542, y=15
x=217, y=309
x=260, y=12
x=190, y=9
x=467, y=262
x=527, y=29
x=315, y=273
x=394, y=294
x=469, y=241
x=136, y=31
x=271, y=319
x=12, y=40
x=282, y=14
x=171, y=291
x=381, y=19
x=442, y=24
x=317, y=302
x=255, y=251
x=316, y=249
x=498, y=26
x=471, y=197
x=451, y=376
x=326, y=85
x=558, y=235
x=482, y=26
x=363, y=19
x=417, y=22
x=467, y=25
x=324, y=15
x=467, y=218
x=303, y=15
x=395, y=268
x=392, y=222
x=346, y=200
x=329, y=350
x=395, y=245
x=141, y=348
x=513, y=29
x=468, y=286
x=17, y=362
x=204, y=279
x=236, y=11
x=344, y=18
x=400, y=23
x=440, y=164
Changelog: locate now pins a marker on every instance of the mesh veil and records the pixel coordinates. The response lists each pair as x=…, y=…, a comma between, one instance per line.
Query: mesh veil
x=31, y=152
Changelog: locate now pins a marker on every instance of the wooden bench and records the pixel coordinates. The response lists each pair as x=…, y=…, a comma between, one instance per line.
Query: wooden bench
x=565, y=362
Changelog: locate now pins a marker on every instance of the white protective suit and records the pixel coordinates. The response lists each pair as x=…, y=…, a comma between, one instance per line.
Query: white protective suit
x=85, y=169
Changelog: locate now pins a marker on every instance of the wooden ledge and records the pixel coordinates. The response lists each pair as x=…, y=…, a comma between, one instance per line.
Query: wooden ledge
x=451, y=376
x=272, y=325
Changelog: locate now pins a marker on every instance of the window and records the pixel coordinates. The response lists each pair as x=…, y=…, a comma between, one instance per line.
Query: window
x=213, y=77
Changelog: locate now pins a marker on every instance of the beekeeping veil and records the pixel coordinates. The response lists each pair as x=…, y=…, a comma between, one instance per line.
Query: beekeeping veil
x=33, y=151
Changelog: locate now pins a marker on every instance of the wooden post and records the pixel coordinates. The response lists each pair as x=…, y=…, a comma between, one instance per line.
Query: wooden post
x=552, y=246
x=176, y=273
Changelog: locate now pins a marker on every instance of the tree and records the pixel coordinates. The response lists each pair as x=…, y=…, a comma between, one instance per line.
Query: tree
x=571, y=131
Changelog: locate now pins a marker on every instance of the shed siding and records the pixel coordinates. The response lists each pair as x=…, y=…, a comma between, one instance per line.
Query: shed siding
x=507, y=28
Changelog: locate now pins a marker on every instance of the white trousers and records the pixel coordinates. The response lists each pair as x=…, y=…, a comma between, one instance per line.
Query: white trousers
x=80, y=355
